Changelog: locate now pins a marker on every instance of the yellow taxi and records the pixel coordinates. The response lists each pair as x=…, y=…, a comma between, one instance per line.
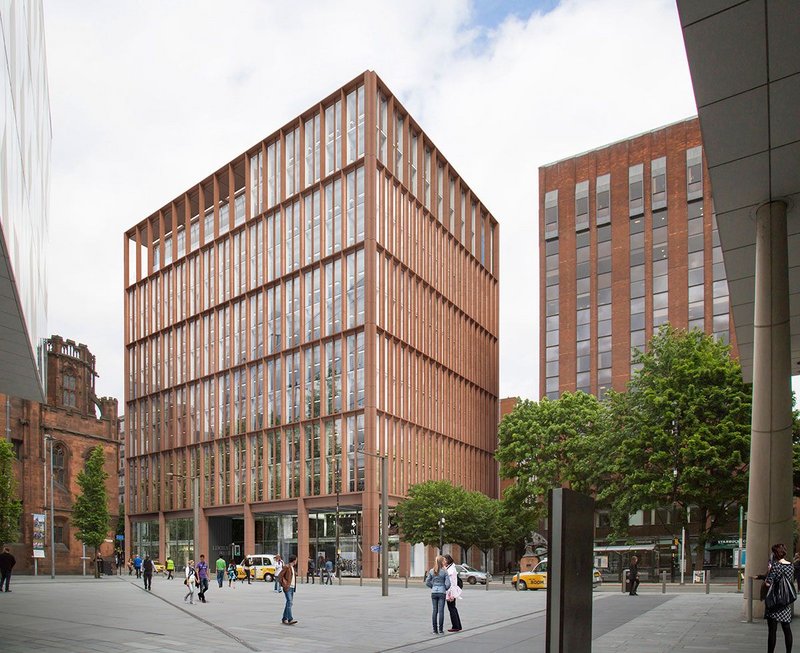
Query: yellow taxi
x=536, y=579
x=262, y=567
x=159, y=567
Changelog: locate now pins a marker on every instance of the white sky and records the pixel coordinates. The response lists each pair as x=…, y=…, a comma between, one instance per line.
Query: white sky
x=147, y=98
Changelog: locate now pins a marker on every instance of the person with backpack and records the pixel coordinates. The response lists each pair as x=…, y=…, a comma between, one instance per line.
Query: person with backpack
x=190, y=582
x=439, y=581
x=148, y=568
x=453, y=594
x=137, y=565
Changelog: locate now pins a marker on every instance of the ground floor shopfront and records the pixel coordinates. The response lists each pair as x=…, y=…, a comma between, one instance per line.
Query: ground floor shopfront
x=309, y=533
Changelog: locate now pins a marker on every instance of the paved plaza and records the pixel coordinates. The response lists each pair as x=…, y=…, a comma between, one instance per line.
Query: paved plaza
x=115, y=614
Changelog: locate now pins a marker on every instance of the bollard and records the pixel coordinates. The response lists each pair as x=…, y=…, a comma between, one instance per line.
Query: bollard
x=487, y=584
x=708, y=581
x=663, y=582
x=406, y=582
x=504, y=578
x=749, y=604
x=624, y=578
x=360, y=581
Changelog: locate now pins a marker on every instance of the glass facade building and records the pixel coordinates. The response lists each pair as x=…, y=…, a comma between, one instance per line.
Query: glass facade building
x=324, y=299
x=25, y=144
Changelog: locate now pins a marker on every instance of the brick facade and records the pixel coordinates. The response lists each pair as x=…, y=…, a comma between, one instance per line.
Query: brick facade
x=79, y=421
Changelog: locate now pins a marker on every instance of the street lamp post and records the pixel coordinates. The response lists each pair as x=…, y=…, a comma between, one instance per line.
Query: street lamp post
x=384, y=458
x=441, y=532
x=195, y=510
x=51, y=440
x=338, y=486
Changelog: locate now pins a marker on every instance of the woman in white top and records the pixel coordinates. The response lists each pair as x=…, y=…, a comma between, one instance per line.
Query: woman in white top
x=190, y=582
x=453, y=593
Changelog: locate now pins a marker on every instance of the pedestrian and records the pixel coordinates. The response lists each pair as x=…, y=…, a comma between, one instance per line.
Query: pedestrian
x=170, y=568
x=232, y=574
x=7, y=562
x=190, y=581
x=130, y=565
x=633, y=576
x=148, y=568
x=796, y=565
x=288, y=582
x=321, y=568
x=278, y=570
x=439, y=582
x=311, y=572
x=202, y=578
x=453, y=594
x=780, y=569
x=329, y=571
x=246, y=567
x=221, y=565
x=137, y=565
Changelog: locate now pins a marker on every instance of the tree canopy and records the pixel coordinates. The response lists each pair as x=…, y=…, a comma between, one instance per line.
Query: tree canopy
x=470, y=518
x=10, y=504
x=680, y=436
x=547, y=444
x=90, y=514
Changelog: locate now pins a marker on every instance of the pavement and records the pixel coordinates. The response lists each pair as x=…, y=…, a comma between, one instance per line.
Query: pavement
x=115, y=614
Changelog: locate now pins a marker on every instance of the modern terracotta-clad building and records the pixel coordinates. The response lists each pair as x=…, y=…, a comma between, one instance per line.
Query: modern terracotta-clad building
x=627, y=242
x=325, y=298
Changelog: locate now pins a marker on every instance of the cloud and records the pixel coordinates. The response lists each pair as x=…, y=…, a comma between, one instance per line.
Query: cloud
x=148, y=98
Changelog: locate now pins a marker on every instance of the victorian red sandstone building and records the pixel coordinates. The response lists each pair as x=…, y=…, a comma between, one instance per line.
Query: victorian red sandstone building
x=77, y=420
x=327, y=297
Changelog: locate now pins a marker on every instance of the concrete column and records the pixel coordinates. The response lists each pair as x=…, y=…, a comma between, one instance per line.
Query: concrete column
x=162, y=539
x=769, y=509
x=249, y=531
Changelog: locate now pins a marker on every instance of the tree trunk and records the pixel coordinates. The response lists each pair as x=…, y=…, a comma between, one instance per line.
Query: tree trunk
x=96, y=568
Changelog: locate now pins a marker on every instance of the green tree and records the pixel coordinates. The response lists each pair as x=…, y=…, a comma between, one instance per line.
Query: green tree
x=549, y=444
x=418, y=514
x=680, y=436
x=10, y=504
x=90, y=514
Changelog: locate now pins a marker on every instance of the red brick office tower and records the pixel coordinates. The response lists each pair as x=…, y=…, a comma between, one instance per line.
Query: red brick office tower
x=328, y=296
x=627, y=241
x=77, y=420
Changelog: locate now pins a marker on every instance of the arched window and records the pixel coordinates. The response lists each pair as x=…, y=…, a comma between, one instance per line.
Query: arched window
x=60, y=464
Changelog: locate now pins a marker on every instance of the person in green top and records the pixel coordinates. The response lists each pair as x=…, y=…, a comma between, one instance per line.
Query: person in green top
x=221, y=565
x=170, y=568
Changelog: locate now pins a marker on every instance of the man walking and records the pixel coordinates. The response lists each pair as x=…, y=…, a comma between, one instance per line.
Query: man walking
x=137, y=565
x=329, y=571
x=170, y=568
x=221, y=565
x=633, y=576
x=288, y=582
x=202, y=575
x=7, y=562
x=311, y=572
x=148, y=567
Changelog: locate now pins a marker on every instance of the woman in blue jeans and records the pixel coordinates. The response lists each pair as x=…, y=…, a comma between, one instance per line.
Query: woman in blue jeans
x=439, y=582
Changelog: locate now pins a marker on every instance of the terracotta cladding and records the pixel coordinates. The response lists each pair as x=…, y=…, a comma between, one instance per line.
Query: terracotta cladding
x=671, y=142
x=419, y=251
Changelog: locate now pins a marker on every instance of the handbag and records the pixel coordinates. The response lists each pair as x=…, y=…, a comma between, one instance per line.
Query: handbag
x=780, y=594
